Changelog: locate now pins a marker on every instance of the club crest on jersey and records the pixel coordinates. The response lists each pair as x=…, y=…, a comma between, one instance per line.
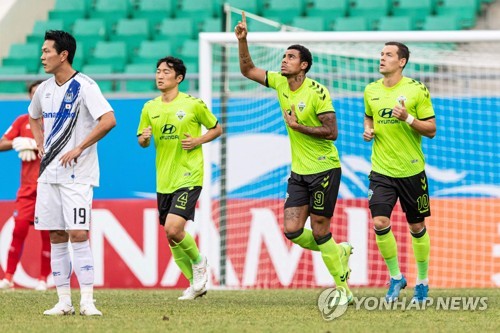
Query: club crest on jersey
x=180, y=114
x=401, y=99
x=68, y=97
x=301, y=106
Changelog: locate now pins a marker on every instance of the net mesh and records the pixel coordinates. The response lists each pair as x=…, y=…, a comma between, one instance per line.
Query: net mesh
x=462, y=166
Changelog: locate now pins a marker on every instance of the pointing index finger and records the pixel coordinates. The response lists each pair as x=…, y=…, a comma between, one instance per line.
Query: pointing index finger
x=243, y=18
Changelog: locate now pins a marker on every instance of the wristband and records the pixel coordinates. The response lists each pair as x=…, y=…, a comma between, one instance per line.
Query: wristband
x=409, y=120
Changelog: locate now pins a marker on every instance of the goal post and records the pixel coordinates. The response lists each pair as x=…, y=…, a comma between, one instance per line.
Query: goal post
x=461, y=70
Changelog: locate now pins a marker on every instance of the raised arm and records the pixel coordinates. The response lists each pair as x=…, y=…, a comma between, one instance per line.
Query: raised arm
x=247, y=67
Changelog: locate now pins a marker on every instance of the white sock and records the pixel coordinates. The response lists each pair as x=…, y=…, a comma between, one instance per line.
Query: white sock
x=84, y=269
x=397, y=277
x=425, y=282
x=60, y=263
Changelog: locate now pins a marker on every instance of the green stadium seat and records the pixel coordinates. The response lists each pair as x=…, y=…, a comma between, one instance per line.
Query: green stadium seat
x=38, y=33
x=24, y=55
x=154, y=11
x=196, y=10
x=111, y=11
x=286, y=10
x=89, y=32
x=69, y=11
x=132, y=32
x=251, y=6
x=465, y=10
x=176, y=31
x=448, y=22
x=106, y=86
x=140, y=85
x=395, y=23
x=9, y=87
x=80, y=56
x=371, y=9
x=310, y=23
x=189, y=51
x=358, y=23
x=417, y=10
x=150, y=51
x=258, y=26
x=110, y=53
x=328, y=9
x=211, y=25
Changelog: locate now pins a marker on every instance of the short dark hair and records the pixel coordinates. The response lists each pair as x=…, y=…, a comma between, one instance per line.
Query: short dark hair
x=305, y=54
x=403, y=51
x=176, y=64
x=63, y=41
x=34, y=84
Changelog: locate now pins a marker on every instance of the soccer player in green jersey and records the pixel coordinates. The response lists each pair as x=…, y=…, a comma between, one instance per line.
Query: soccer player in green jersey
x=398, y=112
x=175, y=120
x=315, y=178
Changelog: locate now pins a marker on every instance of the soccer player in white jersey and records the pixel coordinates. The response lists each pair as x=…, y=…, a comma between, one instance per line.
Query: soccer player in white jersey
x=75, y=116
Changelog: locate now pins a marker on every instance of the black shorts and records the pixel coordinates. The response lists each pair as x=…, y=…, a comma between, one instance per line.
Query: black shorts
x=413, y=194
x=319, y=191
x=182, y=202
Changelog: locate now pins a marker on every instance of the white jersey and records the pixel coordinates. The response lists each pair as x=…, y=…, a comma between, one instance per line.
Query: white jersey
x=70, y=113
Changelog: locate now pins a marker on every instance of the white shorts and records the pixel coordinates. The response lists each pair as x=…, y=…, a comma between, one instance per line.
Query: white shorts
x=63, y=206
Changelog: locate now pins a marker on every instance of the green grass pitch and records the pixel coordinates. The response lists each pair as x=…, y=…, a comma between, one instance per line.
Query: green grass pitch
x=285, y=310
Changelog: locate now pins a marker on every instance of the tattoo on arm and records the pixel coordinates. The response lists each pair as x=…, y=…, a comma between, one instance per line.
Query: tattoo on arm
x=328, y=129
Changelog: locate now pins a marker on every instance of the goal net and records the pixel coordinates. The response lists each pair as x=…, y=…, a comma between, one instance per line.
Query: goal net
x=241, y=217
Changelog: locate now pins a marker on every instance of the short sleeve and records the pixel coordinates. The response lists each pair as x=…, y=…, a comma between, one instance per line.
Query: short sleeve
x=144, y=121
x=324, y=102
x=35, y=107
x=272, y=79
x=425, y=110
x=204, y=116
x=95, y=101
x=14, y=130
x=368, y=110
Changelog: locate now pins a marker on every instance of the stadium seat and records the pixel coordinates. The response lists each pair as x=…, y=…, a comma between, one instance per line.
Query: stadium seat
x=417, y=10
x=328, y=9
x=24, y=55
x=8, y=87
x=132, y=32
x=358, y=23
x=38, y=33
x=111, y=11
x=154, y=11
x=139, y=85
x=370, y=9
x=80, y=56
x=110, y=53
x=465, y=10
x=395, y=23
x=105, y=85
x=89, y=32
x=309, y=23
x=435, y=23
x=175, y=31
x=258, y=26
x=150, y=51
x=211, y=25
x=69, y=11
x=195, y=10
x=189, y=51
x=251, y=6
x=286, y=10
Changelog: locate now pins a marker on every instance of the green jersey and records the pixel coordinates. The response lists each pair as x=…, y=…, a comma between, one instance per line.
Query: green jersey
x=175, y=167
x=310, y=154
x=397, y=148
